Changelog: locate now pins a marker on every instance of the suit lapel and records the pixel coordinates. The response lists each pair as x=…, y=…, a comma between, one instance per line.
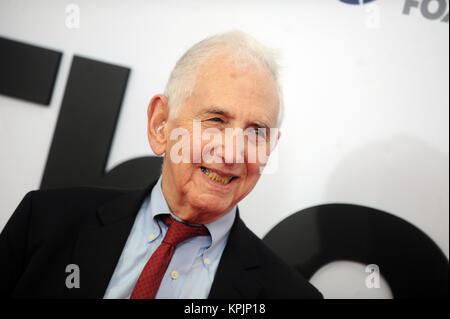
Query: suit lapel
x=98, y=248
x=236, y=276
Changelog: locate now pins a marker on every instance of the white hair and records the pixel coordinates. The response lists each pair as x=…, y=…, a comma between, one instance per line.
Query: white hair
x=241, y=48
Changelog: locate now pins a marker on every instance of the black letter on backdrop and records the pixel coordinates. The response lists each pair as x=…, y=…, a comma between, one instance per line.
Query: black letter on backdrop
x=85, y=129
x=410, y=261
x=27, y=72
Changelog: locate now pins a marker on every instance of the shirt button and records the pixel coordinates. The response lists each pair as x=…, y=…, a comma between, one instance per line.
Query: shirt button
x=207, y=261
x=174, y=274
x=151, y=236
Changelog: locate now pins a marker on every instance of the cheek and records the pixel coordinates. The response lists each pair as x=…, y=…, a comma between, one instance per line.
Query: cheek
x=253, y=172
x=257, y=153
x=180, y=146
x=184, y=178
x=181, y=172
x=255, y=158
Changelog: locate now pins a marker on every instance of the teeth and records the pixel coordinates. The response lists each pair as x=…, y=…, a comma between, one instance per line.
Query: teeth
x=215, y=177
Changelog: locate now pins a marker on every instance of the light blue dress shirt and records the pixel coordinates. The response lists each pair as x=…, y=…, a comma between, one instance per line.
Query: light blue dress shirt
x=192, y=268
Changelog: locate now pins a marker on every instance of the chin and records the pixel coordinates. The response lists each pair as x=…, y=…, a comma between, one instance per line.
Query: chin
x=212, y=204
x=214, y=208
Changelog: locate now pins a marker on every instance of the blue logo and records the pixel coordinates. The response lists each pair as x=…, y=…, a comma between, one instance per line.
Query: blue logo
x=356, y=1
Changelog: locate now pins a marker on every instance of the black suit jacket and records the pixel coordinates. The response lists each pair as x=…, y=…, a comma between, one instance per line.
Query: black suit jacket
x=89, y=227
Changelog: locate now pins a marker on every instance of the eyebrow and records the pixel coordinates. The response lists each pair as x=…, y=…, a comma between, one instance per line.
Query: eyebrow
x=261, y=125
x=213, y=109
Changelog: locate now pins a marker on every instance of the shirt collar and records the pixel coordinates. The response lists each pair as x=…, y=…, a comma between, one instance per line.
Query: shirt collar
x=218, y=228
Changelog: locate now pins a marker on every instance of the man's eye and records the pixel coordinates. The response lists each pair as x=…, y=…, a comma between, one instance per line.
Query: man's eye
x=216, y=119
x=260, y=132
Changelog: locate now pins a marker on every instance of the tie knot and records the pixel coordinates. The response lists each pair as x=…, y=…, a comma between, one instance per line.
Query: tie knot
x=178, y=231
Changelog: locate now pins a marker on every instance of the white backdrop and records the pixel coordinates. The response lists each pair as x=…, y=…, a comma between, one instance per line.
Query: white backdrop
x=366, y=94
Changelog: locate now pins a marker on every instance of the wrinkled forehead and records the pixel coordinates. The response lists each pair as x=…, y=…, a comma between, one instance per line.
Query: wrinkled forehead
x=235, y=66
x=242, y=85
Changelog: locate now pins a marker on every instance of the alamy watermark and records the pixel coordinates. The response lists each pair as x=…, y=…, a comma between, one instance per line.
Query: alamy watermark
x=229, y=145
x=73, y=279
x=72, y=16
x=373, y=279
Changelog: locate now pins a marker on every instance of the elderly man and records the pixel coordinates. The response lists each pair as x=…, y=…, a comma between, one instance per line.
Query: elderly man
x=182, y=236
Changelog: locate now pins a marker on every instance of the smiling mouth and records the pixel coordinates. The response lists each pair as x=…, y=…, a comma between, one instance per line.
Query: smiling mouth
x=224, y=180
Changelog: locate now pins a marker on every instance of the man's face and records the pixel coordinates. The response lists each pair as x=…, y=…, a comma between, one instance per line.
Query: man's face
x=224, y=97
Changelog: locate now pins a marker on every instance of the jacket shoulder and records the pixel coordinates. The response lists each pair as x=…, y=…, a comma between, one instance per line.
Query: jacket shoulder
x=80, y=194
x=72, y=199
x=64, y=211
x=41, y=234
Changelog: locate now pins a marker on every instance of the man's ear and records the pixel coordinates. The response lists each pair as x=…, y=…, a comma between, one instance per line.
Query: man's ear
x=158, y=115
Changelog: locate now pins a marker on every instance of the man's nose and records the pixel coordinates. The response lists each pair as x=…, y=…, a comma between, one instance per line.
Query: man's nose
x=233, y=149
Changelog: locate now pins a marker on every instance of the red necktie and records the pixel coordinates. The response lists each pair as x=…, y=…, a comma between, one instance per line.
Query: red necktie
x=148, y=283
